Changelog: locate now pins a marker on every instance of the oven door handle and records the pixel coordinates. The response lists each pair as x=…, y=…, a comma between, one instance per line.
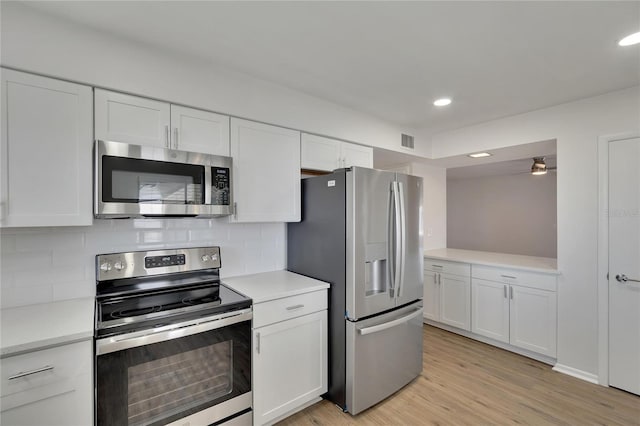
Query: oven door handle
x=173, y=331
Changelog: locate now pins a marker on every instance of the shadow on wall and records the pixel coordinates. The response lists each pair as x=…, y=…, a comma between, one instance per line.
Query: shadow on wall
x=515, y=213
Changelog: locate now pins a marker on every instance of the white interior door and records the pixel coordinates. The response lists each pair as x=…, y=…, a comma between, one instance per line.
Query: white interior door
x=624, y=264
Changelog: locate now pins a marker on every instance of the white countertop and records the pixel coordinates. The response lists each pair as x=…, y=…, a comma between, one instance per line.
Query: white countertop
x=273, y=285
x=33, y=327
x=515, y=261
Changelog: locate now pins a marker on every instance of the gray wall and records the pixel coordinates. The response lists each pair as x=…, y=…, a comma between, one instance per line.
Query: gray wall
x=507, y=214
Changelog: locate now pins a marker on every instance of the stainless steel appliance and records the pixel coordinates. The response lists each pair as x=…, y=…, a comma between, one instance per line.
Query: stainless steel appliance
x=362, y=232
x=147, y=181
x=172, y=343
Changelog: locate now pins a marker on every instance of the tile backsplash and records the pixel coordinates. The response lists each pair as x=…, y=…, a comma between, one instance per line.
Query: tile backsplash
x=40, y=265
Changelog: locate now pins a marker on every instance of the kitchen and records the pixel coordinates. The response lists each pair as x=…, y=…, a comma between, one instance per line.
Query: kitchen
x=57, y=262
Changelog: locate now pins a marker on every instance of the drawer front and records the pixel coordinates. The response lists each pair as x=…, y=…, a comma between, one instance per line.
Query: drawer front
x=288, y=307
x=49, y=368
x=516, y=277
x=447, y=267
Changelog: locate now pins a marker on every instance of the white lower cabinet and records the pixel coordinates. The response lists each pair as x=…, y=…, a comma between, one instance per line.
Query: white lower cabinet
x=51, y=386
x=447, y=293
x=514, y=307
x=289, y=355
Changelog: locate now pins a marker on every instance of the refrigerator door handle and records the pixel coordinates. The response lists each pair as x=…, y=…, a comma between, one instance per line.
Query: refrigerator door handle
x=397, y=250
x=403, y=235
x=390, y=324
x=390, y=238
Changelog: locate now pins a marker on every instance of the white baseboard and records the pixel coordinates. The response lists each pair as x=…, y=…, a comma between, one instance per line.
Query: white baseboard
x=574, y=372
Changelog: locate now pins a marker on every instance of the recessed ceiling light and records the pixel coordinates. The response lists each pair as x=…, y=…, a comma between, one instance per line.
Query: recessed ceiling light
x=480, y=155
x=442, y=102
x=630, y=40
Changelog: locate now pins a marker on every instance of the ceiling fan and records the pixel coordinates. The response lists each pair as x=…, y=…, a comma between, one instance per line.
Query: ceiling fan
x=540, y=168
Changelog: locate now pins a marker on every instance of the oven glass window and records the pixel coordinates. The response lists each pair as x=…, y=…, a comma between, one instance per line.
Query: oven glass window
x=130, y=180
x=167, y=386
x=162, y=382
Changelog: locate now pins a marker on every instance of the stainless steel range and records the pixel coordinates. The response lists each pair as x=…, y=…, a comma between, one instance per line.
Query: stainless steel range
x=172, y=343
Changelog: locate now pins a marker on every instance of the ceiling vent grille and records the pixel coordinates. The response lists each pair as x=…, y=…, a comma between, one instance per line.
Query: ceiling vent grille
x=407, y=141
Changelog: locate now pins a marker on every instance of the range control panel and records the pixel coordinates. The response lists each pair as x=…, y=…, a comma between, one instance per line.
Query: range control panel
x=144, y=263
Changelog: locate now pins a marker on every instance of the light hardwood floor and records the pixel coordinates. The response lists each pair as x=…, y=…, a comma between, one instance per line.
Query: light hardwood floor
x=465, y=382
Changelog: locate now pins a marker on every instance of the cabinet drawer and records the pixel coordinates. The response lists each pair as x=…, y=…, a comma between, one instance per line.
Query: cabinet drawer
x=515, y=276
x=53, y=369
x=447, y=267
x=288, y=307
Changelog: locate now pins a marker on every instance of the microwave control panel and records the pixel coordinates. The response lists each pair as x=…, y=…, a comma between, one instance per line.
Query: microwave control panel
x=220, y=186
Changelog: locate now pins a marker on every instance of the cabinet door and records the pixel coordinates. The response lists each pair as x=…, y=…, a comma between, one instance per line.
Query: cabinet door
x=356, y=155
x=45, y=155
x=57, y=391
x=455, y=300
x=199, y=131
x=266, y=172
x=289, y=365
x=490, y=309
x=318, y=153
x=431, y=296
x=533, y=320
x=131, y=119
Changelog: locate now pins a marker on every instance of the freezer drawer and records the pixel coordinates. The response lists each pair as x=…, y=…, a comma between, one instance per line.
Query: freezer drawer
x=384, y=353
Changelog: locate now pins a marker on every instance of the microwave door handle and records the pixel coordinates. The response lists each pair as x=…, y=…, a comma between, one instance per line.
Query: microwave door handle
x=207, y=183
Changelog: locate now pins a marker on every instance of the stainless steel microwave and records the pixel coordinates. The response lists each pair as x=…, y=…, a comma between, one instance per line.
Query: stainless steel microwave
x=147, y=181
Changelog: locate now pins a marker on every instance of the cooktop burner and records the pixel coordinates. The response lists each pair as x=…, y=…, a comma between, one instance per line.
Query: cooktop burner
x=141, y=290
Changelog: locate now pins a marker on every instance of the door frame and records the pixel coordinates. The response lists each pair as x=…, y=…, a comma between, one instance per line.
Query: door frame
x=603, y=250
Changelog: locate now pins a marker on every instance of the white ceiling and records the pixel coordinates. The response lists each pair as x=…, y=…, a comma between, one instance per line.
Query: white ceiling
x=392, y=59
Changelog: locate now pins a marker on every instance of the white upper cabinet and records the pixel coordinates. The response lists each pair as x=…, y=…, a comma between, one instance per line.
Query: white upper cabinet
x=320, y=153
x=356, y=155
x=142, y=121
x=199, y=131
x=266, y=172
x=131, y=119
x=45, y=155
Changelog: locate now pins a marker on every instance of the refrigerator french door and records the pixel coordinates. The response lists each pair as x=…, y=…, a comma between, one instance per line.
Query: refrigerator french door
x=362, y=232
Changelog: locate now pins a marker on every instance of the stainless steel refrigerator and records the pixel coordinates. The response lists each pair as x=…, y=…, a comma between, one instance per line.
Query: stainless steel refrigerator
x=361, y=231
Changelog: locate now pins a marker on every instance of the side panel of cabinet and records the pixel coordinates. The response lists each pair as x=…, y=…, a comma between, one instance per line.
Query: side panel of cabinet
x=533, y=320
x=45, y=157
x=131, y=119
x=266, y=172
x=431, y=296
x=490, y=309
x=455, y=301
x=290, y=365
x=199, y=131
x=357, y=155
x=318, y=153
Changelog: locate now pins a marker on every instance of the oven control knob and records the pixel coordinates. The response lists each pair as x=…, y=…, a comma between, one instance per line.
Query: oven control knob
x=106, y=266
x=119, y=266
x=205, y=258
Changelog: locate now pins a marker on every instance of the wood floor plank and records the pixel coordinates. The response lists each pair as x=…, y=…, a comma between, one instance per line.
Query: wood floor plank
x=466, y=382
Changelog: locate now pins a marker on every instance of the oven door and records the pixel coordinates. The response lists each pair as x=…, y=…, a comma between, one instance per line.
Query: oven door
x=198, y=371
